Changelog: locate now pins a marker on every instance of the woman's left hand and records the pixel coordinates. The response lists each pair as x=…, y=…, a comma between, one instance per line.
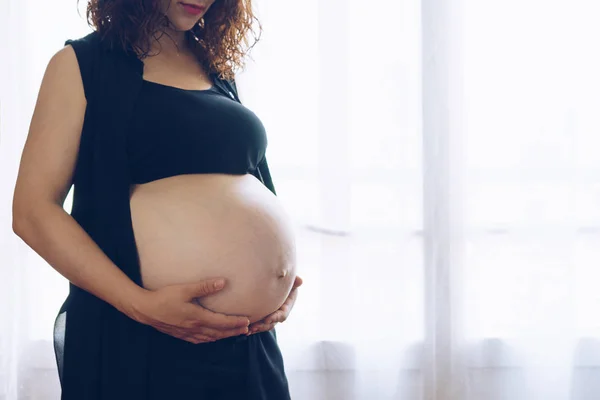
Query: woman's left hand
x=269, y=322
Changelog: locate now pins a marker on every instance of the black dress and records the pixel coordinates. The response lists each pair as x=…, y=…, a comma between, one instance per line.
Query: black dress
x=101, y=353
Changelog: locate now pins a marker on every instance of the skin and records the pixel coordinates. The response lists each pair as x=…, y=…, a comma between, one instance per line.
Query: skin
x=172, y=62
x=281, y=315
x=171, y=41
x=45, y=177
x=179, y=20
x=160, y=69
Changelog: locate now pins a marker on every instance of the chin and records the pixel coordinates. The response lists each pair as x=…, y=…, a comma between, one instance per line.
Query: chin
x=182, y=26
x=180, y=20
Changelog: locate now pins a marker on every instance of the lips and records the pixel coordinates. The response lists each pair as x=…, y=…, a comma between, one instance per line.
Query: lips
x=193, y=9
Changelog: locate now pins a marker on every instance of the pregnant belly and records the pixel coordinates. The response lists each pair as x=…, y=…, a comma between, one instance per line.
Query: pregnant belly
x=192, y=227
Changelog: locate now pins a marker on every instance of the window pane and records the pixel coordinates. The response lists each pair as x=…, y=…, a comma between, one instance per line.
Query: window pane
x=533, y=172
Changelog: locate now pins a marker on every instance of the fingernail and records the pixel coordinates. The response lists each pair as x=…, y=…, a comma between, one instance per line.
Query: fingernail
x=219, y=284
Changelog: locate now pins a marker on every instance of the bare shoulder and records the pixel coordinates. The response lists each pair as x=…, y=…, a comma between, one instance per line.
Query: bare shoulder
x=63, y=71
x=65, y=57
x=77, y=60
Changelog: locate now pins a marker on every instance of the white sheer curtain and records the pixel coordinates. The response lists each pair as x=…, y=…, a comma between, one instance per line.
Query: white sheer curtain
x=440, y=160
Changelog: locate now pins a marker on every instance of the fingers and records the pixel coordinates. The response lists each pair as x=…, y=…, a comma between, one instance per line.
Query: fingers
x=208, y=335
x=203, y=335
x=288, y=304
x=283, y=312
x=261, y=327
x=207, y=326
x=203, y=288
x=297, y=282
x=187, y=336
x=278, y=316
x=209, y=319
x=208, y=339
x=196, y=339
x=222, y=334
x=281, y=315
x=293, y=294
x=269, y=321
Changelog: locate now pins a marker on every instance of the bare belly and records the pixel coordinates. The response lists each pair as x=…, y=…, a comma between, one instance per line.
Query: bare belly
x=192, y=227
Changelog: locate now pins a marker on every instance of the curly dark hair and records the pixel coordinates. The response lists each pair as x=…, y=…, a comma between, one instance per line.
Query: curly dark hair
x=221, y=39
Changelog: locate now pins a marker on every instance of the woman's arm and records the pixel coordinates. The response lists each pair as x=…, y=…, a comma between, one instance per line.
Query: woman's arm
x=45, y=176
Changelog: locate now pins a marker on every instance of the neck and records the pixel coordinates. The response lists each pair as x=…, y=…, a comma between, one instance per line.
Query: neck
x=171, y=40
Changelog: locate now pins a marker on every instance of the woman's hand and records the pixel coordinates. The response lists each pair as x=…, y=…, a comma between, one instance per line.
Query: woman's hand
x=171, y=311
x=269, y=322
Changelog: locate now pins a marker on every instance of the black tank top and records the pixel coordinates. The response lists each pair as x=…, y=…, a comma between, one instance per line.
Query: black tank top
x=178, y=131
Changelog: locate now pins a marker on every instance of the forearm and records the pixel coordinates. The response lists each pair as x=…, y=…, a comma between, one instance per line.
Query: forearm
x=63, y=243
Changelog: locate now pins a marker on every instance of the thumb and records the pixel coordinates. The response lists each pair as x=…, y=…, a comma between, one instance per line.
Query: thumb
x=298, y=282
x=204, y=287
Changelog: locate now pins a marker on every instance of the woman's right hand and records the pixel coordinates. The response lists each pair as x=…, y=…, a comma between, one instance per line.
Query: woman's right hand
x=171, y=311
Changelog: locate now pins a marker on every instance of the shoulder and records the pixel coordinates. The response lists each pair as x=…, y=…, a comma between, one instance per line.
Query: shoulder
x=86, y=50
x=89, y=41
x=86, y=45
x=63, y=63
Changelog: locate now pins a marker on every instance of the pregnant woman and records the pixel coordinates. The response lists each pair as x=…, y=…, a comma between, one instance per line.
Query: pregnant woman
x=180, y=257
